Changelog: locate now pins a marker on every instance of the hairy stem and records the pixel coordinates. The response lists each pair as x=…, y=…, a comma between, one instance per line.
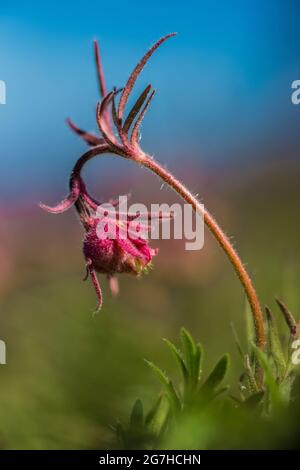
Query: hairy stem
x=148, y=162
x=223, y=241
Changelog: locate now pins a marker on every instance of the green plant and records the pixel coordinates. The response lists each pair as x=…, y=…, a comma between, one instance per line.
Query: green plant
x=192, y=388
x=192, y=391
x=143, y=430
x=194, y=399
x=275, y=361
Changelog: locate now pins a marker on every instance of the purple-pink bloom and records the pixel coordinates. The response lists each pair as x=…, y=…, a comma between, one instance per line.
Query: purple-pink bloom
x=125, y=252
x=114, y=252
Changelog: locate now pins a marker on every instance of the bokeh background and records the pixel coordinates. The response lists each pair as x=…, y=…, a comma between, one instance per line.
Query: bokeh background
x=222, y=121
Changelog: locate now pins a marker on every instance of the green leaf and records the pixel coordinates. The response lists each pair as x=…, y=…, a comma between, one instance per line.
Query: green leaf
x=189, y=347
x=168, y=384
x=198, y=360
x=272, y=386
x=193, y=354
x=236, y=340
x=250, y=375
x=160, y=374
x=137, y=415
x=158, y=416
x=250, y=329
x=179, y=358
x=286, y=388
x=217, y=375
x=275, y=345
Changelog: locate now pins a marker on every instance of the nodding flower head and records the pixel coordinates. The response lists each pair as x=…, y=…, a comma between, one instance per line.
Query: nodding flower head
x=116, y=255
x=113, y=246
x=120, y=245
x=120, y=137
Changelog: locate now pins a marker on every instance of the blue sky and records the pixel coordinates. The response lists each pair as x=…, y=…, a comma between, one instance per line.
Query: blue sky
x=223, y=83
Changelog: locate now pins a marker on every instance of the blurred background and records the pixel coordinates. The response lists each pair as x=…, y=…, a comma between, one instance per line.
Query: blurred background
x=222, y=121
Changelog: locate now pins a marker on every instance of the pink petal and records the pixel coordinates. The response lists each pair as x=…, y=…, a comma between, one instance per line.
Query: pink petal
x=66, y=203
x=129, y=248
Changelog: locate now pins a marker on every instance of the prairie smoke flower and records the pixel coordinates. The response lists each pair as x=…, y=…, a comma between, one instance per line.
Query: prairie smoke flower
x=114, y=242
x=111, y=247
x=128, y=256
x=124, y=252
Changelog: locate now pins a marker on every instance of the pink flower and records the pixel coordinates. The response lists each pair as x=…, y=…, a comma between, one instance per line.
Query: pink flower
x=120, y=136
x=113, y=252
x=125, y=252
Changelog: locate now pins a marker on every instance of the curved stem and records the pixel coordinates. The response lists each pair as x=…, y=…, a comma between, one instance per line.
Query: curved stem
x=223, y=241
x=148, y=162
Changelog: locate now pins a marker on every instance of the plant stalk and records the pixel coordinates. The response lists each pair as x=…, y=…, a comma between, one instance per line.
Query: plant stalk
x=148, y=162
x=223, y=241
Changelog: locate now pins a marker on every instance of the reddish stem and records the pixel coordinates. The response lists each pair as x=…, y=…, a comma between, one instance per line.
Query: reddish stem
x=223, y=241
x=148, y=162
